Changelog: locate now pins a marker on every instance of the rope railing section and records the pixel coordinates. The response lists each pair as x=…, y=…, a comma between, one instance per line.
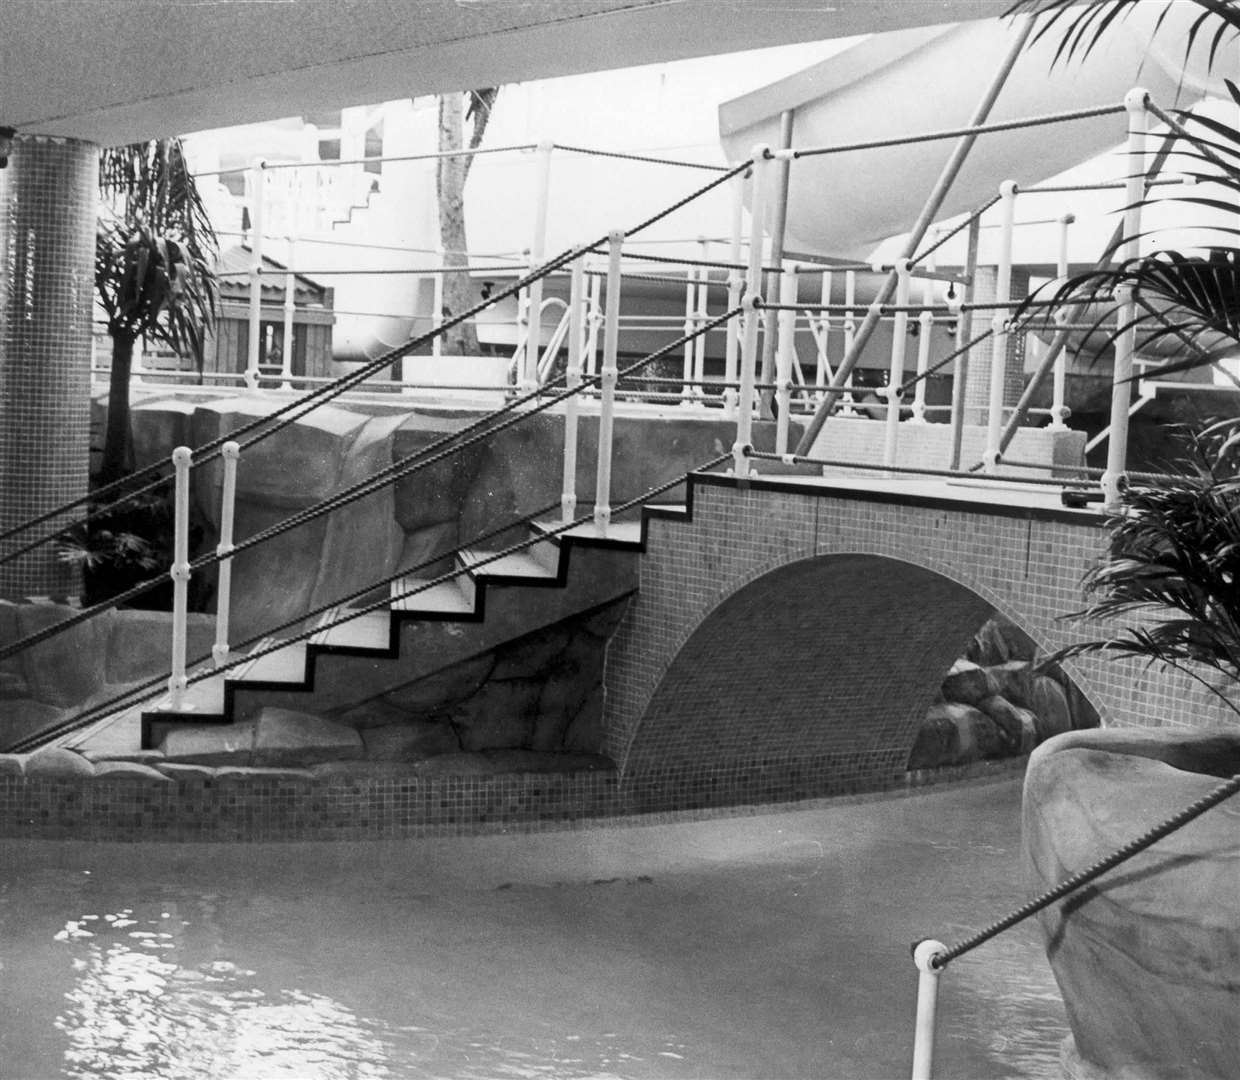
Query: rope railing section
x=451, y=443
x=932, y=956
x=938, y=365
x=136, y=695
x=623, y=156
x=968, y=220
x=954, y=133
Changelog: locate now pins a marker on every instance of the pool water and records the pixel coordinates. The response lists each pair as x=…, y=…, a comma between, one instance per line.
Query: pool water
x=768, y=946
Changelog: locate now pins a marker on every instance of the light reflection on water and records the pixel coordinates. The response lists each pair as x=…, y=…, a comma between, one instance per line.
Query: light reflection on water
x=772, y=947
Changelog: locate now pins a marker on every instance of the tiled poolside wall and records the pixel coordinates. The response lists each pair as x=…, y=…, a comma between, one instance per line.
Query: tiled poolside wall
x=47, y=250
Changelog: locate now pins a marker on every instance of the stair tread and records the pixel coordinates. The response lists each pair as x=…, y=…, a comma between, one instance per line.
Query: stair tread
x=205, y=697
x=287, y=664
x=517, y=564
x=370, y=631
x=625, y=532
x=445, y=597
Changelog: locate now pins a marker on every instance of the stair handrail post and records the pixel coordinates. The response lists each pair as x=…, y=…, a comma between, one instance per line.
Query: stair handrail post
x=686, y=367
x=785, y=355
x=925, y=953
x=736, y=284
x=257, y=177
x=229, y=454
x=179, y=572
x=895, y=370
x=572, y=382
x=925, y=331
x=703, y=313
x=538, y=247
x=1137, y=115
x=607, y=405
x=437, y=304
x=1059, y=406
x=824, y=343
x=1000, y=320
x=290, y=304
x=753, y=313
x=960, y=370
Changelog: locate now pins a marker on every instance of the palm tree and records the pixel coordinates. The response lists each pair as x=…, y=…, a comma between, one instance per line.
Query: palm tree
x=154, y=257
x=455, y=110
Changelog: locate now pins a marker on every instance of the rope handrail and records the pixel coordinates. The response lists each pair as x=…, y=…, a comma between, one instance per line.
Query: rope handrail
x=625, y=156
x=939, y=364
x=952, y=474
x=390, y=474
x=137, y=694
x=464, y=268
x=968, y=220
x=953, y=133
x=1223, y=791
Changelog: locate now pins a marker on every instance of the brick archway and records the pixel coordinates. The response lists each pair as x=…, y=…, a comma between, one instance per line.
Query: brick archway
x=811, y=679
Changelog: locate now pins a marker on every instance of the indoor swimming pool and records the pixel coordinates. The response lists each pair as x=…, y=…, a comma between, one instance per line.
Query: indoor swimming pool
x=766, y=946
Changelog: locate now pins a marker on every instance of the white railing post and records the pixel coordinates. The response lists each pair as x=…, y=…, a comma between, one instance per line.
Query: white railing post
x=572, y=380
x=258, y=196
x=785, y=356
x=1059, y=406
x=999, y=322
x=821, y=377
x=290, y=303
x=607, y=407
x=925, y=325
x=595, y=323
x=538, y=244
x=1125, y=344
x=753, y=313
x=736, y=283
x=686, y=367
x=437, y=304
x=850, y=335
x=179, y=573
x=224, y=549
x=924, y=956
x=895, y=372
x=699, y=343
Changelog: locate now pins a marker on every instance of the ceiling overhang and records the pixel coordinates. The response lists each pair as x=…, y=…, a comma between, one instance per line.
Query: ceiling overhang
x=115, y=71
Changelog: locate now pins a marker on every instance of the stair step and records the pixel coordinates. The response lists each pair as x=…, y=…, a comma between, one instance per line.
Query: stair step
x=454, y=597
x=287, y=664
x=624, y=532
x=370, y=631
x=519, y=564
x=205, y=698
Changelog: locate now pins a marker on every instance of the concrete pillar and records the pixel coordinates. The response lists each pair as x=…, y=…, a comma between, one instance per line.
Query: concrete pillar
x=48, y=196
x=977, y=389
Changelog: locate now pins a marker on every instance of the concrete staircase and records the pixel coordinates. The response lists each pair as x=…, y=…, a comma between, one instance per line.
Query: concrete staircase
x=491, y=601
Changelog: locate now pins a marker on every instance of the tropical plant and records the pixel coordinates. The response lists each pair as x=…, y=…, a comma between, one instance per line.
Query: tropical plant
x=1174, y=560
x=154, y=256
x=455, y=110
x=1188, y=301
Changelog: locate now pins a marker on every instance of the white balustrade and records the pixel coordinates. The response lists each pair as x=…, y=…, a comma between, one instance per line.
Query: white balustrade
x=785, y=356
x=999, y=322
x=179, y=573
x=895, y=372
x=607, y=405
x=753, y=309
x=224, y=549
x=256, y=181
x=572, y=380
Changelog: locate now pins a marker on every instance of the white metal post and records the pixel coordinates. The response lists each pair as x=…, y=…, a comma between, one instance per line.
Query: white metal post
x=437, y=305
x=607, y=406
x=850, y=332
x=824, y=349
x=179, y=573
x=895, y=373
x=538, y=245
x=1125, y=344
x=290, y=297
x=595, y=324
x=1059, y=408
x=735, y=284
x=703, y=311
x=927, y=1006
x=258, y=196
x=785, y=356
x=686, y=367
x=572, y=380
x=753, y=309
x=224, y=549
x=925, y=325
x=999, y=321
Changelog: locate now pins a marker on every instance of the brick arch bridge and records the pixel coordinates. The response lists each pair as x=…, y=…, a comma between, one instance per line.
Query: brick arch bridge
x=787, y=637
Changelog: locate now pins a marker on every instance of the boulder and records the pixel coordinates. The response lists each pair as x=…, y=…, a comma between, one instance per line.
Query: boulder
x=12, y=764
x=210, y=744
x=586, y=733
x=24, y=717
x=464, y=764
x=1015, y=681
x=1148, y=956
x=531, y=761
x=140, y=643
x=937, y=742
x=1050, y=707
x=284, y=737
x=1017, y=726
x=441, y=691
x=501, y=714
x=181, y=771
x=130, y=770
x=68, y=668
x=968, y=683
x=409, y=741
x=55, y=761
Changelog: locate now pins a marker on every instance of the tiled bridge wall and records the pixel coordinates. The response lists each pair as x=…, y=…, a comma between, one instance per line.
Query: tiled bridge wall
x=786, y=645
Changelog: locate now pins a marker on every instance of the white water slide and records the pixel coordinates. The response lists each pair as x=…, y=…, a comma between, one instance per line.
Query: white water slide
x=932, y=78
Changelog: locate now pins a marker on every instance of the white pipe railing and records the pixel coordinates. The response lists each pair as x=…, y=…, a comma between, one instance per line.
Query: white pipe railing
x=925, y=329
x=895, y=373
x=785, y=356
x=1059, y=408
x=1125, y=344
x=753, y=310
x=572, y=380
x=224, y=549
x=538, y=244
x=607, y=406
x=999, y=322
x=927, y=1006
x=179, y=572
x=257, y=181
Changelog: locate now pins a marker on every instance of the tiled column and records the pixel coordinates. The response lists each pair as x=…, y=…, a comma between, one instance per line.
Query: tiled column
x=47, y=245
x=977, y=389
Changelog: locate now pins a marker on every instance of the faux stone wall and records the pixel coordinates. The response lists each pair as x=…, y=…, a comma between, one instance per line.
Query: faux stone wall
x=47, y=248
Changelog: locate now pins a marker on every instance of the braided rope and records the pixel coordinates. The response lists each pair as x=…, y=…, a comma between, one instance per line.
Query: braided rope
x=722, y=178
x=1084, y=877
x=971, y=217
x=933, y=368
x=639, y=157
